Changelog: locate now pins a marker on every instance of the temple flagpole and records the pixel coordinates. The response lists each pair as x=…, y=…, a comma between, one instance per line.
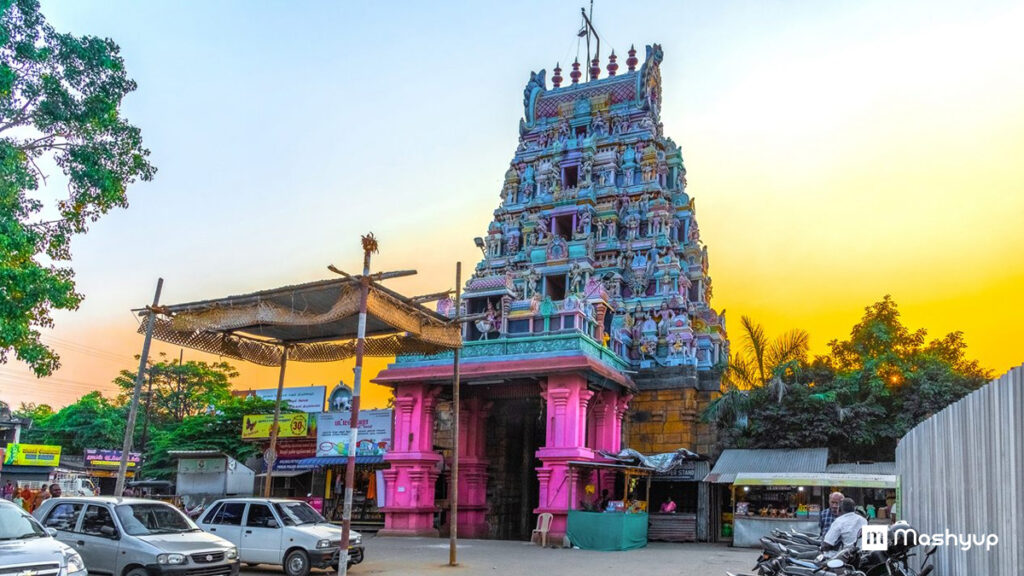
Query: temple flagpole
x=453, y=536
x=369, y=247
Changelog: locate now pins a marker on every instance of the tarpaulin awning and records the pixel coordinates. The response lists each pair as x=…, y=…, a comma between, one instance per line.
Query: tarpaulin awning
x=824, y=479
x=317, y=322
x=661, y=463
x=340, y=460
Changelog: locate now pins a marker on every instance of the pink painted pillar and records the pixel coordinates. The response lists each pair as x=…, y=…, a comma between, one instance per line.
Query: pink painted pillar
x=472, y=468
x=567, y=400
x=409, y=483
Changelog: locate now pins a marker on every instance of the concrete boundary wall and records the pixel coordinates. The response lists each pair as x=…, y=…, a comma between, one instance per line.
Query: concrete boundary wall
x=962, y=472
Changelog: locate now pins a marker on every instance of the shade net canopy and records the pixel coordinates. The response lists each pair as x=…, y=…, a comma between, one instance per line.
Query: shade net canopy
x=316, y=322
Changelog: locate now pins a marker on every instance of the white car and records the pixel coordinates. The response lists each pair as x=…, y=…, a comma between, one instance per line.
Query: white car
x=27, y=548
x=288, y=533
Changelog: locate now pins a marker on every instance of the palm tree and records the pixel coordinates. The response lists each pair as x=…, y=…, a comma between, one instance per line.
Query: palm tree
x=760, y=364
x=762, y=360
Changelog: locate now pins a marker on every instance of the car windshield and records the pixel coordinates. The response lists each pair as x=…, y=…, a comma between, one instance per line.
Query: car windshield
x=293, y=513
x=18, y=525
x=143, y=519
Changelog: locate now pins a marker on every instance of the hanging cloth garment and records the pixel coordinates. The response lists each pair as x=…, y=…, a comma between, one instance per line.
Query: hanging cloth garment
x=371, y=489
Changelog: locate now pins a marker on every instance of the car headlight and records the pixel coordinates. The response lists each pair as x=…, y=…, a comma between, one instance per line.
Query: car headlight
x=74, y=562
x=232, y=553
x=170, y=559
x=321, y=544
x=355, y=540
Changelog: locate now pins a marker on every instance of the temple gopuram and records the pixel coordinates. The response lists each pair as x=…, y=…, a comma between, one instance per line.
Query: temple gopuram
x=594, y=328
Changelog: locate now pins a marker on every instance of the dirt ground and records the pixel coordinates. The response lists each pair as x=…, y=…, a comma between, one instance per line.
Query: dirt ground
x=413, y=556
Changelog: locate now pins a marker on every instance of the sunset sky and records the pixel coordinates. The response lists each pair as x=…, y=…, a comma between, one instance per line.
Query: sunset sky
x=837, y=151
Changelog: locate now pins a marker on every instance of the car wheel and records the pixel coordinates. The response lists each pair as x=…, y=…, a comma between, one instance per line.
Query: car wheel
x=137, y=572
x=296, y=563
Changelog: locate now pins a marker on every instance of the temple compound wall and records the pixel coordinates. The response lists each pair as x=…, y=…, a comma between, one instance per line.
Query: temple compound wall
x=592, y=327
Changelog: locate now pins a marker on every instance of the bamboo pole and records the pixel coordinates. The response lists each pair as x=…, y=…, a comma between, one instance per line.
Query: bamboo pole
x=129, y=429
x=369, y=247
x=453, y=535
x=270, y=456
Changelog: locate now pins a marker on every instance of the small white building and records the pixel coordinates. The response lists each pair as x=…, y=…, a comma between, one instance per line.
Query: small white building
x=211, y=474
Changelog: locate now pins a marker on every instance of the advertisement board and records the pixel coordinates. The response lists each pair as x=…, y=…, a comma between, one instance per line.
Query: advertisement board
x=96, y=458
x=31, y=455
x=332, y=433
x=290, y=425
x=305, y=398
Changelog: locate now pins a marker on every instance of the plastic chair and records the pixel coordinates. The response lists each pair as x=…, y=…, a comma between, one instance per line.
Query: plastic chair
x=543, y=526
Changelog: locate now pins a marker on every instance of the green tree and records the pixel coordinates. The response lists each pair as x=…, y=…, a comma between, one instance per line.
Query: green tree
x=180, y=390
x=91, y=422
x=60, y=98
x=220, y=430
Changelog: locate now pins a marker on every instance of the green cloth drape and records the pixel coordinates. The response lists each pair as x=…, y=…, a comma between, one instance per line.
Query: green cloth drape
x=607, y=530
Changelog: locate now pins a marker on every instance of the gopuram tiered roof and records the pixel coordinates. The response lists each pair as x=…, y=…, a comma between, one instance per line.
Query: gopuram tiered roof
x=595, y=217
x=595, y=236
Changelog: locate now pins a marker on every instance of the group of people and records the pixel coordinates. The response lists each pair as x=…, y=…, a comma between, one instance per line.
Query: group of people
x=841, y=522
x=28, y=498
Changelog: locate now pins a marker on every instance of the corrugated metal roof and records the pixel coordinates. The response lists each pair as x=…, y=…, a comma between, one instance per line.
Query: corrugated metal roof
x=862, y=468
x=733, y=462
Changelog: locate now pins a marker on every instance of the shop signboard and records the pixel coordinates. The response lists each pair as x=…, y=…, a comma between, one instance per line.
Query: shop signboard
x=296, y=425
x=201, y=465
x=296, y=448
x=333, y=429
x=31, y=455
x=304, y=398
x=95, y=458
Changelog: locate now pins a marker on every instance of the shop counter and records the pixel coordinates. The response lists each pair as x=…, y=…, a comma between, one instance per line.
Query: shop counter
x=747, y=531
x=607, y=530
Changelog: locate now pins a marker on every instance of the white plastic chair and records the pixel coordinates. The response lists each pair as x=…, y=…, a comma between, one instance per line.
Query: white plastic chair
x=543, y=526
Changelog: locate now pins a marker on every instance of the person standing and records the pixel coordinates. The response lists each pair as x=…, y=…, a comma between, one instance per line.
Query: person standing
x=846, y=529
x=829, y=515
x=42, y=496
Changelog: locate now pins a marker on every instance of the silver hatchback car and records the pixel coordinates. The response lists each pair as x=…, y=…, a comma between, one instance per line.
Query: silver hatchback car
x=136, y=537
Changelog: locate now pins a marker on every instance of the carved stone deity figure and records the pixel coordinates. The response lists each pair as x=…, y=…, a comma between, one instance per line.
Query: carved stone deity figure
x=588, y=168
x=583, y=222
x=694, y=230
x=675, y=224
x=490, y=323
x=531, y=283
x=610, y=229
x=656, y=224
x=665, y=316
x=575, y=278
x=599, y=126
x=632, y=226
x=512, y=244
x=591, y=245
x=645, y=204
x=558, y=249
x=543, y=229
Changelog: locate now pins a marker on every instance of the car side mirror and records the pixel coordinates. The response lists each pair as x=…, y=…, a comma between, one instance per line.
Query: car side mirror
x=52, y=532
x=271, y=523
x=108, y=532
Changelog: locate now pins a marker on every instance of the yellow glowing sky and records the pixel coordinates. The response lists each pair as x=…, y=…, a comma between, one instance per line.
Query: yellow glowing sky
x=837, y=152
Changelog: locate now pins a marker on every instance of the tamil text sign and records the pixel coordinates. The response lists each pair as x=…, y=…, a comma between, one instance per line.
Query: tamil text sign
x=109, y=458
x=333, y=429
x=305, y=398
x=31, y=455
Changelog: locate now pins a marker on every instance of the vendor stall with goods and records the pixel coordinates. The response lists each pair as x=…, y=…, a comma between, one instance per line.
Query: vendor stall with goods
x=611, y=514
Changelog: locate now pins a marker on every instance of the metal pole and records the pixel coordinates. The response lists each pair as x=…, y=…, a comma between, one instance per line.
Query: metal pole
x=270, y=456
x=129, y=430
x=453, y=521
x=369, y=247
x=145, y=417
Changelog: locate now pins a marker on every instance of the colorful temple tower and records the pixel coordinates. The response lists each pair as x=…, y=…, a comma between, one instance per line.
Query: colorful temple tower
x=593, y=292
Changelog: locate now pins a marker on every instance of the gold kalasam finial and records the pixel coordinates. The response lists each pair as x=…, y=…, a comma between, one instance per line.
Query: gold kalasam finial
x=370, y=243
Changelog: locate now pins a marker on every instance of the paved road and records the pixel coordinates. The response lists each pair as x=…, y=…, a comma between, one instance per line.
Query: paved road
x=414, y=556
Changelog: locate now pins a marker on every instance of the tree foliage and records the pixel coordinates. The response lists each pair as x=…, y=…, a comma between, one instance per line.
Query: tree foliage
x=858, y=400
x=60, y=98
x=92, y=422
x=180, y=390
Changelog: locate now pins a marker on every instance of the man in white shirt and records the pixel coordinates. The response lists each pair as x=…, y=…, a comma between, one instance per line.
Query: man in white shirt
x=846, y=529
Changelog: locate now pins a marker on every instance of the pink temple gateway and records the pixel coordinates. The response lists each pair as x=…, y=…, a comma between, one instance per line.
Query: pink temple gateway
x=594, y=290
